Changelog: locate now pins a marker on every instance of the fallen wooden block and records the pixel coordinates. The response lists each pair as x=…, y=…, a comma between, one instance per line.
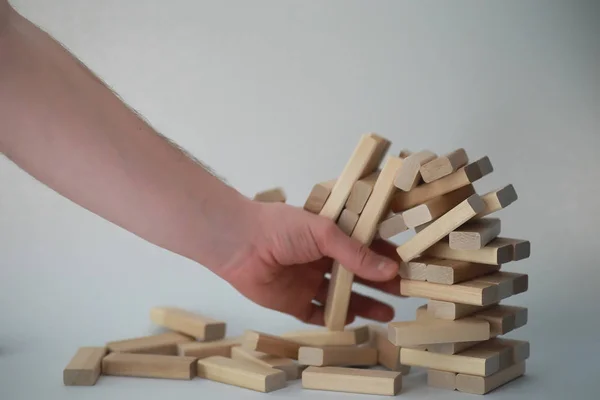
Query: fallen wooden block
x=341, y=356
x=318, y=196
x=352, y=380
x=85, y=367
x=466, y=175
x=149, y=366
x=494, y=253
x=392, y=226
x=287, y=365
x=164, y=343
x=347, y=221
x=271, y=344
x=441, y=379
x=470, y=292
x=521, y=249
x=508, y=283
x=199, y=350
x=440, y=228
x=240, y=373
x=361, y=190
x=318, y=338
x=275, y=195
x=201, y=327
x=450, y=272
x=388, y=355
x=444, y=165
x=436, y=207
x=430, y=331
x=482, y=385
x=451, y=311
x=409, y=176
x=414, y=270
x=498, y=199
x=475, y=234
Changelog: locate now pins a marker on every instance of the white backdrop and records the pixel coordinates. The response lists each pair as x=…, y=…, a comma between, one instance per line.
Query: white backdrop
x=277, y=93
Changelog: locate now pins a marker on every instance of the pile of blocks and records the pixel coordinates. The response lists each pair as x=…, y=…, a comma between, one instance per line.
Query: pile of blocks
x=453, y=259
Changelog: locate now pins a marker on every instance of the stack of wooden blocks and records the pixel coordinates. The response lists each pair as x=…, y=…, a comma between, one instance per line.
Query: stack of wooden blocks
x=454, y=259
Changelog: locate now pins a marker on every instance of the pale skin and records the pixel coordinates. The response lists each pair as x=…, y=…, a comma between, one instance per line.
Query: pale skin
x=67, y=129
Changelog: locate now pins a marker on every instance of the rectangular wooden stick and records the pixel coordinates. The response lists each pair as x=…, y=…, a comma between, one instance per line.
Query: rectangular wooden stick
x=318, y=196
x=275, y=195
x=475, y=293
x=270, y=344
x=164, y=343
x=318, y=338
x=482, y=385
x=430, y=331
x=449, y=272
x=503, y=319
x=220, y=347
x=361, y=190
x=441, y=379
x=475, y=234
x=352, y=380
x=341, y=356
x=436, y=207
x=85, y=367
x=444, y=165
x=388, y=355
x=414, y=270
x=201, y=327
x=473, y=361
x=451, y=348
x=508, y=283
x=287, y=365
x=392, y=226
x=495, y=253
x=521, y=249
x=409, y=176
x=149, y=366
x=347, y=221
x=451, y=311
x=498, y=199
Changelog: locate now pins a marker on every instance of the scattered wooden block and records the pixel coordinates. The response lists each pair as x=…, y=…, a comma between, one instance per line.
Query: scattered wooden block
x=318, y=196
x=318, y=338
x=441, y=379
x=521, y=249
x=498, y=199
x=409, y=176
x=508, y=283
x=392, y=226
x=444, y=165
x=347, y=221
x=426, y=331
x=275, y=195
x=149, y=366
x=475, y=293
x=340, y=288
x=440, y=228
x=449, y=272
x=388, y=355
x=241, y=373
x=199, y=350
x=287, y=365
x=341, y=356
x=495, y=253
x=85, y=367
x=436, y=207
x=482, y=385
x=414, y=270
x=451, y=311
x=271, y=344
x=201, y=327
x=475, y=234
x=164, y=343
x=474, y=361
x=466, y=175
x=352, y=380
x=360, y=193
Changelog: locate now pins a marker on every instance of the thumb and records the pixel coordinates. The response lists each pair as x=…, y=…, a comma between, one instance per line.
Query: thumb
x=351, y=254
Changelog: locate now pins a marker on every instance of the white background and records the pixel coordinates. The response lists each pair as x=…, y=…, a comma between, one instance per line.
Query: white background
x=277, y=93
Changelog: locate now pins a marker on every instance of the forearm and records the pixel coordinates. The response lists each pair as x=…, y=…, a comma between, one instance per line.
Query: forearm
x=64, y=127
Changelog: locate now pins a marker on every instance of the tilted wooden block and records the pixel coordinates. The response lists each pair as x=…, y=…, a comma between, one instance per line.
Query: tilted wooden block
x=85, y=367
x=436, y=207
x=470, y=292
x=475, y=234
x=482, y=385
x=149, y=366
x=275, y=195
x=449, y=272
x=441, y=379
x=201, y=327
x=361, y=190
x=164, y=343
x=347, y=221
x=452, y=311
x=347, y=337
x=440, y=228
x=241, y=373
x=430, y=331
x=287, y=365
x=388, y=355
x=495, y=253
x=318, y=196
x=508, y=283
x=352, y=380
x=521, y=249
x=444, y=165
x=466, y=175
x=414, y=270
x=341, y=356
x=220, y=347
x=409, y=176
x=498, y=199
x=340, y=287
x=270, y=344
x=392, y=226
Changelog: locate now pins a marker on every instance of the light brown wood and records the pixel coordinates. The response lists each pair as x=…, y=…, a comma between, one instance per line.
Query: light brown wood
x=414, y=270
x=519, y=349
x=360, y=193
x=521, y=249
x=241, y=373
x=287, y=365
x=473, y=361
x=451, y=311
x=404, y=153
x=199, y=350
x=475, y=234
x=275, y=195
x=436, y=207
x=322, y=337
x=426, y=331
x=341, y=356
x=495, y=253
x=164, y=343
x=340, y=287
x=441, y=379
x=318, y=196
x=508, y=283
x=503, y=319
x=149, y=366
x=466, y=175
x=444, y=165
x=388, y=355
x=270, y=344
x=482, y=385
x=449, y=272
x=440, y=228
x=199, y=326
x=85, y=367
x=352, y=380
x=498, y=199
x=347, y=221
x=392, y=226
x=451, y=348
x=470, y=292
x=410, y=176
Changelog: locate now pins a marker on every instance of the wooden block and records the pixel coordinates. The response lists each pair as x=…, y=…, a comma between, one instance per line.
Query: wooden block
x=509, y=283
x=241, y=373
x=318, y=338
x=409, y=176
x=271, y=344
x=426, y=331
x=287, y=365
x=392, y=226
x=361, y=190
x=404, y=153
x=470, y=292
x=495, y=253
x=207, y=349
x=521, y=249
x=466, y=175
x=519, y=349
x=436, y=207
x=340, y=287
x=503, y=319
x=451, y=311
x=482, y=385
x=275, y=195
x=347, y=221
x=85, y=367
x=149, y=366
x=444, y=165
x=165, y=343
x=441, y=379
x=498, y=199
x=352, y=380
x=318, y=196
x=201, y=327
x=449, y=272
x=341, y=356
x=388, y=355
x=475, y=234
x=451, y=348
x=414, y=270
x=474, y=361
x=440, y=228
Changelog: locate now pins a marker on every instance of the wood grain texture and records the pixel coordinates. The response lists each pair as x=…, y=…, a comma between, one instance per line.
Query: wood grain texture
x=497, y=200
x=318, y=196
x=270, y=344
x=347, y=337
x=199, y=326
x=164, y=343
x=428, y=331
x=352, y=380
x=149, y=366
x=410, y=176
x=341, y=356
x=414, y=270
x=449, y=272
x=85, y=367
x=494, y=253
x=444, y=165
x=470, y=292
x=473, y=361
x=483, y=385
x=360, y=193
x=475, y=234
x=287, y=365
x=436, y=207
x=347, y=221
x=199, y=350
x=392, y=226
x=275, y=195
